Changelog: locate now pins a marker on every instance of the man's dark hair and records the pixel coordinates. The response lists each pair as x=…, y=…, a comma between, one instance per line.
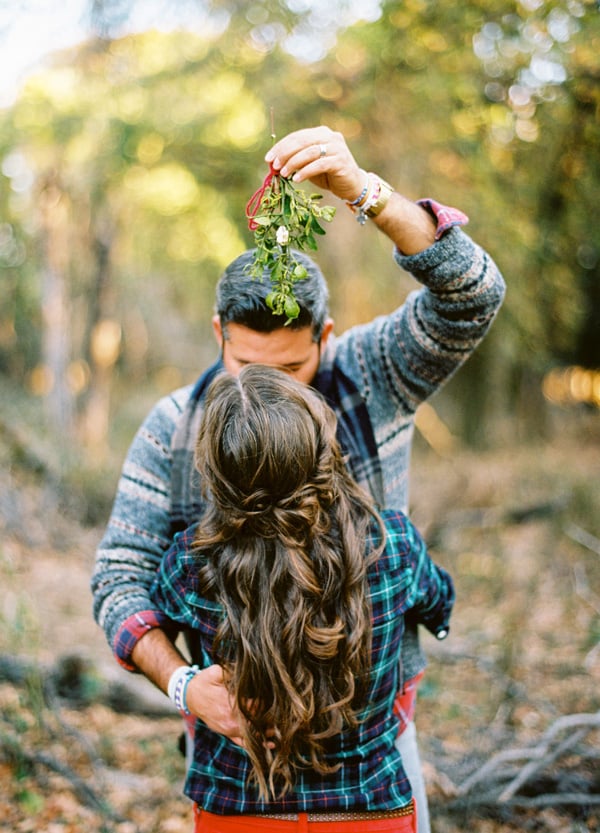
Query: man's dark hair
x=241, y=298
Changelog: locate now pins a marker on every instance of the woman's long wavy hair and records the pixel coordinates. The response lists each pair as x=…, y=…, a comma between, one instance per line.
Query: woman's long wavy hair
x=283, y=544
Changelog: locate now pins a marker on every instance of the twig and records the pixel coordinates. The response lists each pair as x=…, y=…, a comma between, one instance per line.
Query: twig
x=590, y=658
x=481, y=774
x=83, y=791
x=527, y=802
x=586, y=539
x=120, y=696
x=582, y=588
x=536, y=757
x=88, y=748
x=544, y=760
x=556, y=799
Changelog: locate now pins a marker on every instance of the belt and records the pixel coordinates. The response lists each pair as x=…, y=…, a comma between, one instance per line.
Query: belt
x=372, y=815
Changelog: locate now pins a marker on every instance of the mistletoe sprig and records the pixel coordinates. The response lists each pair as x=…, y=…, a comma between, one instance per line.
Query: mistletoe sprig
x=284, y=218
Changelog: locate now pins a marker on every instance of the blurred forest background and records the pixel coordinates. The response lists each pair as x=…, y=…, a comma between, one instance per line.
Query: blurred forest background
x=126, y=164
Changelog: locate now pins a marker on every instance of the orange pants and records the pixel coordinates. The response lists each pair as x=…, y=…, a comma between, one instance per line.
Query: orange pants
x=211, y=823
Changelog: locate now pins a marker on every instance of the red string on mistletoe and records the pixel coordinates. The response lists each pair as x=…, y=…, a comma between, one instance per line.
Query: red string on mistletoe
x=253, y=204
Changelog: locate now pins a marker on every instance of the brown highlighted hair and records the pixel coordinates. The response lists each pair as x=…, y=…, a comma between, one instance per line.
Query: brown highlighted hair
x=283, y=545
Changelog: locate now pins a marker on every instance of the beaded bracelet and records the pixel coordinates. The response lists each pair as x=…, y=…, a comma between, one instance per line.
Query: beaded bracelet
x=178, y=683
x=372, y=200
x=365, y=199
x=362, y=194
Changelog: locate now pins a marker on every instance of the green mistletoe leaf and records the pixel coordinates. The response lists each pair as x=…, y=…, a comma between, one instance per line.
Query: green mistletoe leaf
x=284, y=219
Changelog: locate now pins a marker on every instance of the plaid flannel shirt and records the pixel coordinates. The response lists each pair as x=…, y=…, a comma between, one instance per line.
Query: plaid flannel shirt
x=372, y=777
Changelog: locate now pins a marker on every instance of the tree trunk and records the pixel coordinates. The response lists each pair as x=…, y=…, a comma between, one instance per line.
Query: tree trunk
x=54, y=211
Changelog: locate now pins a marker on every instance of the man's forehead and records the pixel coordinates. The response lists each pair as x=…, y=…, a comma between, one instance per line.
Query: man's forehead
x=268, y=348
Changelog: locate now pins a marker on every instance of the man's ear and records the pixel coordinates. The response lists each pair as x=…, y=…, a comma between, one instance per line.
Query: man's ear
x=217, y=330
x=327, y=330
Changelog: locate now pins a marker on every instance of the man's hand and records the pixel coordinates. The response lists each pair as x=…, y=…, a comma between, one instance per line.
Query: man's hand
x=208, y=698
x=322, y=156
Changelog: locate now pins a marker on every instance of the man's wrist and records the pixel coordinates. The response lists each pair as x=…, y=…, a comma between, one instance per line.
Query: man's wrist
x=409, y=225
x=156, y=657
x=373, y=198
x=178, y=685
x=131, y=632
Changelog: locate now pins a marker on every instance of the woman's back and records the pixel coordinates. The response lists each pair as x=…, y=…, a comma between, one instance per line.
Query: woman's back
x=296, y=586
x=370, y=774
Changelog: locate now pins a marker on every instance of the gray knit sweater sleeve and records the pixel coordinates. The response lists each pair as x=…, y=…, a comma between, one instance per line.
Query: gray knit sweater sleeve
x=400, y=360
x=138, y=530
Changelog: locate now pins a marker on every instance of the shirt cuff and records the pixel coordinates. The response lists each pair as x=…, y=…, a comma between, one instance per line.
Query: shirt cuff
x=445, y=215
x=130, y=633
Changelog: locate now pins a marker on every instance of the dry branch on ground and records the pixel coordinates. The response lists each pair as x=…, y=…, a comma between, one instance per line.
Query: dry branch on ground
x=499, y=781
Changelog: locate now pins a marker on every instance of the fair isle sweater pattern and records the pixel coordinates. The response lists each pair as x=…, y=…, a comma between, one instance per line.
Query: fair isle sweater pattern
x=394, y=363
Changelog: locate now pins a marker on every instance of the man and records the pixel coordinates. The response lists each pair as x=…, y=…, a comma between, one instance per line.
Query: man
x=374, y=376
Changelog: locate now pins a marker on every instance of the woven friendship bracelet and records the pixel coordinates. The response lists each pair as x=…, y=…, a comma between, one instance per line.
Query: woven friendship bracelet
x=178, y=683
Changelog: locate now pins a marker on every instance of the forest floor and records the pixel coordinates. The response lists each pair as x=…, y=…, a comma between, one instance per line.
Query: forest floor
x=507, y=713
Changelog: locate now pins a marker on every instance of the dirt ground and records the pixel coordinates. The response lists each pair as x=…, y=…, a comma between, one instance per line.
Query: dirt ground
x=519, y=530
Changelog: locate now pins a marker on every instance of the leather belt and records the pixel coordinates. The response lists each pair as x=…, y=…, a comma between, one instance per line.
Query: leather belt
x=350, y=815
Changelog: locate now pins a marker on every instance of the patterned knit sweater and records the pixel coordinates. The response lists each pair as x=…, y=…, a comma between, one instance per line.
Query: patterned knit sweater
x=396, y=362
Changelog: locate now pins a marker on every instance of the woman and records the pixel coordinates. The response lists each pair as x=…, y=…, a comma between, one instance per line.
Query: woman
x=297, y=587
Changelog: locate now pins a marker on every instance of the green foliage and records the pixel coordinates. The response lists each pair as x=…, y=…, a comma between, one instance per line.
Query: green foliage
x=286, y=218
x=31, y=801
x=485, y=106
x=126, y=166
